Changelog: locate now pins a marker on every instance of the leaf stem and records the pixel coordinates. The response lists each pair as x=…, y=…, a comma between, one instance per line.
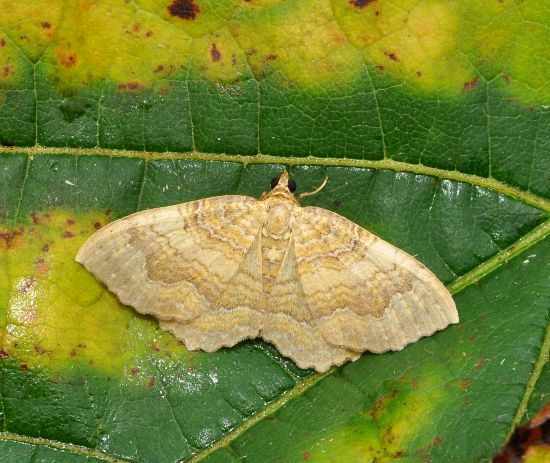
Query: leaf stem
x=540, y=363
x=389, y=164
x=75, y=449
x=270, y=409
x=526, y=241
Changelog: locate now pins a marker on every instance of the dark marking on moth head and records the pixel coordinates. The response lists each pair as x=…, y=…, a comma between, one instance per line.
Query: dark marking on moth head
x=291, y=183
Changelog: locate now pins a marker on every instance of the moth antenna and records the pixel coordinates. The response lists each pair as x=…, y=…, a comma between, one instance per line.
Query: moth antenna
x=314, y=192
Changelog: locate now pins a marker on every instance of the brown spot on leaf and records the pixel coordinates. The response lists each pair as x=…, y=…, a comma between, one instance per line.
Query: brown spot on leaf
x=382, y=401
x=7, y=71
x=215, y=53
x=67, y=59
x=67, y=234
x=135, y=371
x=380, y=68
x=506, y=78
x=271, y=57
x=392, y=56
x=133, y=85
x=4, y=354
x=70, y=222
x=465, y=384
x=159, y=68
x=437, y=440
x=2, y=42
x=154, y=347
x=97, y=225
x=41, y=351
x=41, y=267
x=479, y=363
x=72, y=353
x=9, y=237
x=361, y=3
x=46, y=25
x=184, y=9
x=23, y=366
x=418, y=73
x=305, y=456
x=150, y=382
x=470, y=85
x=45, y=248
x=149, y=34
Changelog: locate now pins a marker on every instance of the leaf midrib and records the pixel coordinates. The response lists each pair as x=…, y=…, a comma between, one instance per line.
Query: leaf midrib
x=526, y=197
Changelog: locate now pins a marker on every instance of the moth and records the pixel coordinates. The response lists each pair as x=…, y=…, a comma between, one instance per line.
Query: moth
x=223, y=269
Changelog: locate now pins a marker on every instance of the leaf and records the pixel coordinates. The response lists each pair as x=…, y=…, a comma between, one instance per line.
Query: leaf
x=431, y=120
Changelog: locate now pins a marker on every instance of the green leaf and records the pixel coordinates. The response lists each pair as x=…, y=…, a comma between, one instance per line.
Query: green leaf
x=431, y=121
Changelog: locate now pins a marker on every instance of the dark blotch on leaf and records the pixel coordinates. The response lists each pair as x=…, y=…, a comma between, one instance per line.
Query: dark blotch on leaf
x=46, y=25
x=361, y=3
x=391, y=56
x=215, y=53
x=131, y=86
x=184, y=9
x=470, y=85
x=154, y=347
x=8, y=237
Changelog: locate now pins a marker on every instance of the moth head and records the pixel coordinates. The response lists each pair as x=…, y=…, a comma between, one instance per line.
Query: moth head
x=283, y=183
x=284, y=187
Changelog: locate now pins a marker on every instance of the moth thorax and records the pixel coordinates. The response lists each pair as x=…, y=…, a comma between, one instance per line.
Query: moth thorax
x=278, y=220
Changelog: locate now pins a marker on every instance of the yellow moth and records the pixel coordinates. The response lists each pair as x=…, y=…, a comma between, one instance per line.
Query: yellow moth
x=219, y=270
